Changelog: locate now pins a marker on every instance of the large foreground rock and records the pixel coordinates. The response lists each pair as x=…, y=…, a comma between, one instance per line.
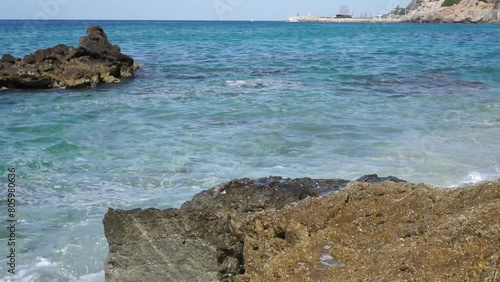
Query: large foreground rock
x=94, y=61
x=200, y=241
x=274, y=229
x=382, y=232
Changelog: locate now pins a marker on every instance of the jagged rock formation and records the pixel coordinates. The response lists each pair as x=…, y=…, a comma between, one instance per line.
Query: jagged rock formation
x=275, y=229
x=94, y=61
x=466, y=11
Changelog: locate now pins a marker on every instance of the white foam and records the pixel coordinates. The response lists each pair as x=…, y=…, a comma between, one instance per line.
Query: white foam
x=30, y=273
x=235, y=83
x=91, y=277
x=43, y=262
x=257, y=83
x=33, y=273
x=63, y=251
x=475, y=177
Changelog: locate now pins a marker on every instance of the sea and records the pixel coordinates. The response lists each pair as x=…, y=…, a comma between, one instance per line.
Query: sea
x=215, y=101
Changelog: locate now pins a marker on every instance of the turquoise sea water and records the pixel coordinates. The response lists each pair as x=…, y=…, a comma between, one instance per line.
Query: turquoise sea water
x=221, y=100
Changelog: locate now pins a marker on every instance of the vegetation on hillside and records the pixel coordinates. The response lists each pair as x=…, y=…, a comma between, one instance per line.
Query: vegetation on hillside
x=448, y=3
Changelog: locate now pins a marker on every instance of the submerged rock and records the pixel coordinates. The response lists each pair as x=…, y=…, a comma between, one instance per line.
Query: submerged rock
x=93, y=62
x=275, y=229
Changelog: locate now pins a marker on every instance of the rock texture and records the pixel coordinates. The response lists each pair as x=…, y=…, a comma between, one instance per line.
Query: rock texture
x=94, y=61
x=201, y=240
x=466, y=11
x=275, y=229
x=382, y=232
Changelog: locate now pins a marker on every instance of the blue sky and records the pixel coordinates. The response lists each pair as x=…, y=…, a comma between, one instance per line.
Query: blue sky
x=186, y=9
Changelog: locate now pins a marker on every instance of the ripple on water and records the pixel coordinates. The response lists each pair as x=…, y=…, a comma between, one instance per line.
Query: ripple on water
x=66, y=147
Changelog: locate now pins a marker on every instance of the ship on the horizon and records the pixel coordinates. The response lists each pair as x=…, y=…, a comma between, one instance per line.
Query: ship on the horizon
x=344, y=13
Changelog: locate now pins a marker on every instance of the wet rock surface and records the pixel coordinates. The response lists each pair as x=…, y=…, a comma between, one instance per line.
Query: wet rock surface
x=373, y=178
x=275, y=229
x=93, y=62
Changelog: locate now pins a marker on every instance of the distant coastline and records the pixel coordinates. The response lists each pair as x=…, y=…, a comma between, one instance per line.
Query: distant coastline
x=424, y=11
x=340, y=20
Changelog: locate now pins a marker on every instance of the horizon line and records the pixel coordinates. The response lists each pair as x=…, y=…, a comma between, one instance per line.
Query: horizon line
x=143, y=20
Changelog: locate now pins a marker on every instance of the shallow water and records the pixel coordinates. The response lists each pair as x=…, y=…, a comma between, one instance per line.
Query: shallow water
x=221, y=100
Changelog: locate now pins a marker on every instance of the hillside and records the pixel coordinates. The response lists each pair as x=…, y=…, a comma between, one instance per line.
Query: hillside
x=453, y=11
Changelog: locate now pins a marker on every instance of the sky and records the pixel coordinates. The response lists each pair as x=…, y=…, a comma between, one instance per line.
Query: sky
x=187, y=9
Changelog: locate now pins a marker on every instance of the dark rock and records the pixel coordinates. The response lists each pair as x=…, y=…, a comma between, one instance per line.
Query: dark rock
x=97, y=46
x=27, y=81
x=8, y=58
x=95, y=61
x=114, y=70
x=58, y=53
x=46, y=68
x=201, y=240
x=373, y=178
x=29, y=59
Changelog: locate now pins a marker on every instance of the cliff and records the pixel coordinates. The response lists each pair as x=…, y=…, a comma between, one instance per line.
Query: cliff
x=275, y=229
x=453, y=11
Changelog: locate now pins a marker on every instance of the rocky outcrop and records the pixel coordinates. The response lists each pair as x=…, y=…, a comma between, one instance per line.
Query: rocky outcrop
x=382, y=232
x=94, y=61
x=201, y=240
x=465, y=11
x=275, y=229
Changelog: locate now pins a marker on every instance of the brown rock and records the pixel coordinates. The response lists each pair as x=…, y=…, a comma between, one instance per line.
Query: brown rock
x=29, y=59
x=200, y=241
x=46, y=68
x=8, y=58
x=381, y=232
x=95, y=61
x=275, y=229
